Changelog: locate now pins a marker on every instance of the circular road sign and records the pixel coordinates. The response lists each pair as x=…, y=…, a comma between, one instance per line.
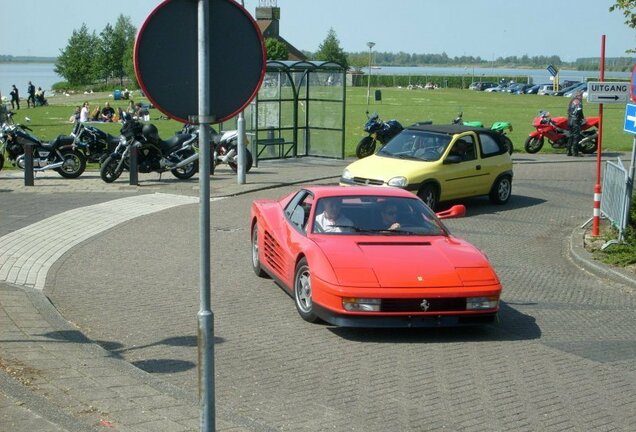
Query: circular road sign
x=166, y=58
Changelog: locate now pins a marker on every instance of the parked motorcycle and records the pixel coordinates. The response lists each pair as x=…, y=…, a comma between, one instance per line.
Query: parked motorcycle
x=96, y=144
x=498, y=126
x=379, y=131
x=225, y=148
x=557, y=132
x=177, y=154
x=58, y=155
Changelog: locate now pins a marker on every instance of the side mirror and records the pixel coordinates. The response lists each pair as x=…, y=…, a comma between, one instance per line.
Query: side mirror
x=455, y=211
x=452, y=159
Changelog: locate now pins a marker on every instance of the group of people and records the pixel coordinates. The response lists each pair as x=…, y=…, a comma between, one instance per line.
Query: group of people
x=107, y=113
x=35, y=98
x=83, y=114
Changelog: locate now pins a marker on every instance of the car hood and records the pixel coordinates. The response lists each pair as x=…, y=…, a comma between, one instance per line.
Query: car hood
x=392, y=262
x=385, y=168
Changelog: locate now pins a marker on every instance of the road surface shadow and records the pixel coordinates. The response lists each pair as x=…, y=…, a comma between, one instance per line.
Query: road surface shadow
x=511, y=326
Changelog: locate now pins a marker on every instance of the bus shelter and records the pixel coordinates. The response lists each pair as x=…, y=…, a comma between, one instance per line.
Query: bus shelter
x=298, y=111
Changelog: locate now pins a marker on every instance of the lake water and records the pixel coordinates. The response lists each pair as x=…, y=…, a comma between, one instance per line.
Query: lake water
x=43, y=74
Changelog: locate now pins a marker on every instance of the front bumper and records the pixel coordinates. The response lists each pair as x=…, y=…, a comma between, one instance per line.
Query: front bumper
x=404, y=321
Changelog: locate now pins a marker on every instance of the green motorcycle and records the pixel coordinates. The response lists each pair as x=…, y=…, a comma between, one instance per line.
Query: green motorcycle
x=498, y=126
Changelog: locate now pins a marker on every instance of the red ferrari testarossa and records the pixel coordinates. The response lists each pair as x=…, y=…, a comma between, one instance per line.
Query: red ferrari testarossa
x=371, y=257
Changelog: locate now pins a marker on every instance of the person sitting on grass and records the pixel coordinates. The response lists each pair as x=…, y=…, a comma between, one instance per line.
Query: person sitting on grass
x=96, y=114
x=107, y=113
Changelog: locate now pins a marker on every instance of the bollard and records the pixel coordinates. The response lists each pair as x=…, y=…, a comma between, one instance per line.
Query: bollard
x=28, y=164
x=134, y=169
x=270, y=137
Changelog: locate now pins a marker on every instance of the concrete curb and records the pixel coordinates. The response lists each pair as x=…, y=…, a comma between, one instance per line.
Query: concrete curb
x=585, y=259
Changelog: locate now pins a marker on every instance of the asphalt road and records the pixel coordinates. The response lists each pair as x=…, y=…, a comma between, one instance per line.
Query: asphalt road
x=562, y=357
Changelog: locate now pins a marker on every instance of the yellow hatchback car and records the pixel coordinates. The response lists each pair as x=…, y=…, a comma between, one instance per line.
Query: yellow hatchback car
x=439, y=163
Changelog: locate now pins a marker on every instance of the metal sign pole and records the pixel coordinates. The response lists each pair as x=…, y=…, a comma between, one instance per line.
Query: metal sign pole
x=205, y=336
x=240, y=172
x=596, y=215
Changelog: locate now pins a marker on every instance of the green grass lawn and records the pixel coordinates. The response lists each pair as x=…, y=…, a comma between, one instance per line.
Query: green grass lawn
x=442, y=106
x=406, y=106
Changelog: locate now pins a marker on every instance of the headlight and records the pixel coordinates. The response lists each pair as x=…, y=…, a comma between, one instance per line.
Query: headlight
x=478, y=303
x=346, y=174
x=398, y=182
x=353, y=304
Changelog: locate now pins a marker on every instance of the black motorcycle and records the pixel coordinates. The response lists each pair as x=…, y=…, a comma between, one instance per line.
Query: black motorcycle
x=96, y=144
x=224, y=149
x=176, y=154
x=58, y=155
x=378, y=130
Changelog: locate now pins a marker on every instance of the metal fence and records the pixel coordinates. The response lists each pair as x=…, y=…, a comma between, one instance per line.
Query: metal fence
x=615, y=199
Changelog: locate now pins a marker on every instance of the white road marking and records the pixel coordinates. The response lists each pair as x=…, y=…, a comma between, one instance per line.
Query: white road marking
x=26, y=255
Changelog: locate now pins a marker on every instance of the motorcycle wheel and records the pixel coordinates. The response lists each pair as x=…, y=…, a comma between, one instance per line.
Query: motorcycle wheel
x=366, y=147
x=533, y=144
x=508, y=144
x=187, y=171
x=588, y=146
x=248, y=162
x=1, y=162
x=74, y=164
x=108, y=171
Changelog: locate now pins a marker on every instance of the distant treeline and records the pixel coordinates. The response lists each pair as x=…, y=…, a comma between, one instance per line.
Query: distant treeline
x=361, y=59
x=26, y=59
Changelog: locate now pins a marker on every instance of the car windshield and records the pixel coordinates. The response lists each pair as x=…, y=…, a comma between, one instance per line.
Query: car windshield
x=375, y=216
x=416, y=145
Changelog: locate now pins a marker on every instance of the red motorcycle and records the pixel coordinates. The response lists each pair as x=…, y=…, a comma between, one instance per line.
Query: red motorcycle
x=557, y=132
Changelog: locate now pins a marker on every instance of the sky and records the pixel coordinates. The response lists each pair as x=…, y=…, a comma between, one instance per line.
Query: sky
x=486, y=28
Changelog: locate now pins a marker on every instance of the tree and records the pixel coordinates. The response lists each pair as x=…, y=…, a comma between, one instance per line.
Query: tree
x=129, y=64
x=330, y=50
x=276, y=50
x=628, y=7
x=76, y=61
x=114, y=44
x=105, y=60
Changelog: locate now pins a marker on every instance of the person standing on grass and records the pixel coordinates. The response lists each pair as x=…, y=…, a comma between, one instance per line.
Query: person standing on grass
x=15, y=97
x=31, y=93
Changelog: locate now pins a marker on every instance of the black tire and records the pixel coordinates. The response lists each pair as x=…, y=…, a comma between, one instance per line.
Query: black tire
x=1, y=161
x=248, y=161
x=256, y=261
x=108, y=171
x=508, y=144
x=187, y=171
x=501, y=190
x=533, y=144
x=366, y=147
x=429, y=194
x=302, y=292
x=588, y=146
x=74, y=164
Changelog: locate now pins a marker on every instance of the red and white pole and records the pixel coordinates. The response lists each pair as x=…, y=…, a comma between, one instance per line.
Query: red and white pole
x=596, y=216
